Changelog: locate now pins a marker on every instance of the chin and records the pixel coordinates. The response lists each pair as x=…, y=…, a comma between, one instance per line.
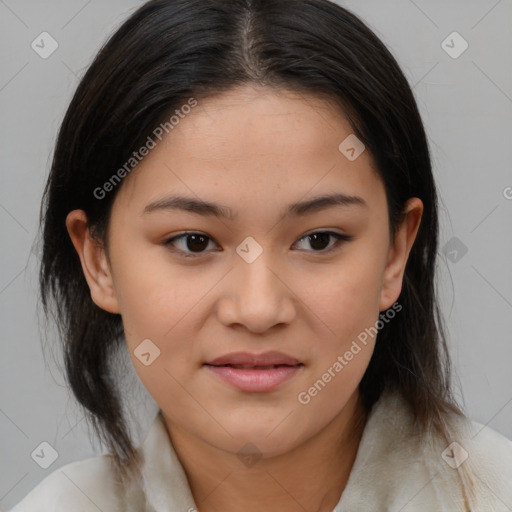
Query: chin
x=270, y=441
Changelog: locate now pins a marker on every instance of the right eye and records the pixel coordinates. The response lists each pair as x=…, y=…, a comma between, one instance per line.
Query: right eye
x=190, y=241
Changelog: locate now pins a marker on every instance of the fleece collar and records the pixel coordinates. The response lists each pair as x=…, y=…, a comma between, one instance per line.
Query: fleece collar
x=396, y=468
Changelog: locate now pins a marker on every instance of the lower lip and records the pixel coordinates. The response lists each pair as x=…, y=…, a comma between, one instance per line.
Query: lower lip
x=255, y=380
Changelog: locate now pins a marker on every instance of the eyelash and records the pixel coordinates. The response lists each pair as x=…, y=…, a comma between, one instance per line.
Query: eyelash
x=340, y=239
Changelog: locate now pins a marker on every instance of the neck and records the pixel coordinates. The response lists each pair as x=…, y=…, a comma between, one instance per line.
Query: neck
x=310, y=477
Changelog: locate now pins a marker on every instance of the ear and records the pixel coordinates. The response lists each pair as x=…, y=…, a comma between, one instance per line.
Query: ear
x=399, y=253
x=94, y=262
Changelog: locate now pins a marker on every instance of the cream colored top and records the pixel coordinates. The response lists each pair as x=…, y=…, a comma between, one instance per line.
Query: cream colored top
x=394, y=471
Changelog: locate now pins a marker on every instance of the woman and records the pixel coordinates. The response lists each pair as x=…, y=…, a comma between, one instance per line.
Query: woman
x=208, y=150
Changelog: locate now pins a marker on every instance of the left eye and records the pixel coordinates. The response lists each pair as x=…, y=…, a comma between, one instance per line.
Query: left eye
x=192, y=241
x=196, y=243
x=319, y=238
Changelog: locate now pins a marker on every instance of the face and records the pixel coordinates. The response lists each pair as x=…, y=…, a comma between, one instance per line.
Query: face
x=278, y=284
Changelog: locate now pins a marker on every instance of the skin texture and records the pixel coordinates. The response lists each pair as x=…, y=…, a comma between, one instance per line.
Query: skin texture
x=255, y=150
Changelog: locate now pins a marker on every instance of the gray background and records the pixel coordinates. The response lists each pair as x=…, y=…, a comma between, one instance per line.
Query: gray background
x=466, y=104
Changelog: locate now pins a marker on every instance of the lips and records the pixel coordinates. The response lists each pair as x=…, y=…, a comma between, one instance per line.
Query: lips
x=252, y=366
x=246, y=360
x=255, y=373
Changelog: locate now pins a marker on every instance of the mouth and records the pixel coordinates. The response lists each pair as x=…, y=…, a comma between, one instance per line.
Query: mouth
x=255, y=373
x=253, y=367
x=247, y=359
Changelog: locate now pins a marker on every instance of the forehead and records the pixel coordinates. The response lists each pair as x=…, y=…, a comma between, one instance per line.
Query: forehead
x=256, y=122
x=250, y=141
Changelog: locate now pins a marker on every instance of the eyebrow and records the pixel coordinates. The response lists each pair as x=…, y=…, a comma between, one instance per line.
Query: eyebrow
x=206, y=208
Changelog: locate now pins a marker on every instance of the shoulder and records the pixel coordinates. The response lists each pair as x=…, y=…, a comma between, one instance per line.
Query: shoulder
x=487, y=455
x=471, y=466
x=486, y=440
x=86, y=485
x=94, y=484
x=419, y=471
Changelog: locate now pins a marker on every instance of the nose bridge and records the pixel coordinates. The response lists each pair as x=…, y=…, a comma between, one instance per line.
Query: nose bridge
x=253, y=271
x=257, y=276
x=260, y=299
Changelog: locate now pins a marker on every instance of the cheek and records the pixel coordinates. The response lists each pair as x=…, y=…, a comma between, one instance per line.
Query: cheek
x=157, y=307
x=348, y=306
x=163, y=302
x=154, y=293
x=349, y=311
x=332, y=386
x=346, y=296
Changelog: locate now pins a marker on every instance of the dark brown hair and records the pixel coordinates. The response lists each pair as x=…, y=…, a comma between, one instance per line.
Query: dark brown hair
x=170, y=50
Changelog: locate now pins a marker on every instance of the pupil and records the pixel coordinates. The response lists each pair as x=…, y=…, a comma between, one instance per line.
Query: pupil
x=198, y=242
x=322, y=237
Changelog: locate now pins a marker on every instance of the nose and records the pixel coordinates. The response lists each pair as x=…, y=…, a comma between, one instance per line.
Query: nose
x=257, y=296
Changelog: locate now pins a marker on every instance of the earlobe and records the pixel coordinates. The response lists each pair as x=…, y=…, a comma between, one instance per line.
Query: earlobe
x=399, y=253
x=94, y=262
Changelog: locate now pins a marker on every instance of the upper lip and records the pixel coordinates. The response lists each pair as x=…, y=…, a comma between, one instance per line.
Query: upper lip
x=248, y=359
